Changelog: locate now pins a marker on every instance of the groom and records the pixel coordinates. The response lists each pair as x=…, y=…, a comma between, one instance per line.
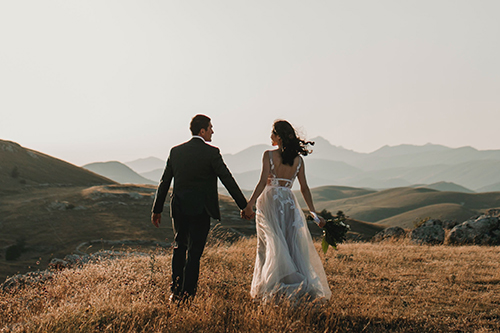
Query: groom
x=195, y=166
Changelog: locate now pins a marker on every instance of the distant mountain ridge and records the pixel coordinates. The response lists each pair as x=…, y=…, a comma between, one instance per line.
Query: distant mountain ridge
x=118, y=172
x=143, y=165
x=387, y=167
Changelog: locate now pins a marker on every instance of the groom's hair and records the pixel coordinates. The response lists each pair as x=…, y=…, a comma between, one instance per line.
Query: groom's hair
x=198, y=122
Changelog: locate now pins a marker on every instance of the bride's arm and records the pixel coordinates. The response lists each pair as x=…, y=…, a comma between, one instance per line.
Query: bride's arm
x=260, y=185
x=306, y=193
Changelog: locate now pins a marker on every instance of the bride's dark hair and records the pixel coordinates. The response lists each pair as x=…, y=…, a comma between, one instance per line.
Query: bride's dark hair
x=291, y=144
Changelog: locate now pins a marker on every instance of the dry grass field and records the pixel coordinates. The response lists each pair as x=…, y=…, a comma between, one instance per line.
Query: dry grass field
x=385, y=287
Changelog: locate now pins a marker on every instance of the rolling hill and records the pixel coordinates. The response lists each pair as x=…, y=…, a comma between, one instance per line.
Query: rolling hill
x=446, y=187
x=401, y=206
x=153, y=175
x=444, y=211
x=118, y=172
x=22, y=168
x=490, y=188
x=329, y=193
x=143, y=165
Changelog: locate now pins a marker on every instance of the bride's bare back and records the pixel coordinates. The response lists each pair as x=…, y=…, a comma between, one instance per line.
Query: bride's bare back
x=282, y=171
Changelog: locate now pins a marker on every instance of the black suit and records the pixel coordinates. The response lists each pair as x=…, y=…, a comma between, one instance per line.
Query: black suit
x=195, y=167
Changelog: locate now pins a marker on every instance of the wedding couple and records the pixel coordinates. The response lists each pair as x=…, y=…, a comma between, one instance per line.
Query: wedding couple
x=287, y=264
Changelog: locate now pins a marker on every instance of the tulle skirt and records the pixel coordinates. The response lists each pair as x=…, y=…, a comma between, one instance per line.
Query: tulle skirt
x=287, y=263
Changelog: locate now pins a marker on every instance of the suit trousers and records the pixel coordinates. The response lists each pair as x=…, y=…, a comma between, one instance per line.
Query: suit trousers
x=190, y=232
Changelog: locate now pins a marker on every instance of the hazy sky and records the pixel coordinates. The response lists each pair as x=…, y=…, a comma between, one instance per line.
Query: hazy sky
x=99, y=80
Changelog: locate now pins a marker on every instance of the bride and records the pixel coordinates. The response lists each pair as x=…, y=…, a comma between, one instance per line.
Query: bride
x=287, y=264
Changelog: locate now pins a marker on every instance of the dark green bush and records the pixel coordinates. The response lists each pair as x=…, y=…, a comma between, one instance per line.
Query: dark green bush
x=14, y=251
x=15, y=172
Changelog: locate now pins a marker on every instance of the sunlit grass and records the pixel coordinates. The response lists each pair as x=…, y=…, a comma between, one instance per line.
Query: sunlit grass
x=387, y=287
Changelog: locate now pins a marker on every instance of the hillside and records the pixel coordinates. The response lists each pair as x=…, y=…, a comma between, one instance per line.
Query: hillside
x=54, y=221
x=118, y=172
x=382, y=205
x=153, y=174
x=246, y=160
x=490, y=188
x=328, y=193
x=443, y=211
x=446, y=187
x=143, y=165
x=22, y=168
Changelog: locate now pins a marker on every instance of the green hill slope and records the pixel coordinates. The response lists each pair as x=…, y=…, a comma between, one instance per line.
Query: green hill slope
x=22, y=168
x=382, y=205
x=446, y=186
x=447, y=211
x=328, y=193
x=119, y=172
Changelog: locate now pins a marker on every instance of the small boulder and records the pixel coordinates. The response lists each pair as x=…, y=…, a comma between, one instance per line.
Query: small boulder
x=391, y=232
x=432, y=222
x=493, y=212
x=430, y=232
x=481, y=230
x=135, y=195
x=60, y=205
x=58, y=264
x=449, y=224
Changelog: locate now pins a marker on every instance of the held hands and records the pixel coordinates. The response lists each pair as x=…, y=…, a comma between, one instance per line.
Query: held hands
x=156, y=219
x=247, y=213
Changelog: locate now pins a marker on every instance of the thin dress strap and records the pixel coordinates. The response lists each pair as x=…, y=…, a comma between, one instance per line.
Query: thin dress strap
x=298, y=167
x=272, y=164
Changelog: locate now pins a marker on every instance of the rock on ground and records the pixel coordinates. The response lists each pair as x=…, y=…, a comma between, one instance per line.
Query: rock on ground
x=482, y=230
x=389, y=233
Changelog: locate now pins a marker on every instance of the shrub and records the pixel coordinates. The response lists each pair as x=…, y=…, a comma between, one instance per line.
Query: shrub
x=419, y=222
x=15, y=172
x=14, y=251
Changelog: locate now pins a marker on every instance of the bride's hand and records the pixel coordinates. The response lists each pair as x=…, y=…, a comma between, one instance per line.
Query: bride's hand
x=322, y=222
x=247, y=213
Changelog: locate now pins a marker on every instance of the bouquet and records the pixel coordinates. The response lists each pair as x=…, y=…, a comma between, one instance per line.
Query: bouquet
x=335, y=230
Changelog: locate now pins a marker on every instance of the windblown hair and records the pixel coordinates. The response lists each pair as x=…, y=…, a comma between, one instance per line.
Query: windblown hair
x=292, y=145
x=198, y=123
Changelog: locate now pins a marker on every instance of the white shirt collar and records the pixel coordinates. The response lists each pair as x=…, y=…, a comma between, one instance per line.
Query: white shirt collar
x=199, y=137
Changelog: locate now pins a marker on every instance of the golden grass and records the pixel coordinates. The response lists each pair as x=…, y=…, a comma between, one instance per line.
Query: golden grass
x=385, y=287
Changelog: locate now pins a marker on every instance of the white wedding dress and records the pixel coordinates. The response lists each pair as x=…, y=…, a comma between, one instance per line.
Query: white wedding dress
x=287, y=263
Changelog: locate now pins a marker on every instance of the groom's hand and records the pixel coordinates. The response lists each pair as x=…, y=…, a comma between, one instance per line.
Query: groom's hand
x=156, y=219
x=247, y=213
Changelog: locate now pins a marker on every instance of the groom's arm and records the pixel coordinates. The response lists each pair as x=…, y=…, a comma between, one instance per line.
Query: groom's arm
x=163, y=187
x=227, y=180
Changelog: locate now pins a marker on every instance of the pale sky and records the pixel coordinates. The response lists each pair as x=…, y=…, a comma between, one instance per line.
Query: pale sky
x=100, y=80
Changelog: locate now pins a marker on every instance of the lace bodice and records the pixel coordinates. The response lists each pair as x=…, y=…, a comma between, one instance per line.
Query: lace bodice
x=281, y=182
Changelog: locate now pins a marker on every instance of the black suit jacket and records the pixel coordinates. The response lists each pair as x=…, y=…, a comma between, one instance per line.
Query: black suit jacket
x=195, y=167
